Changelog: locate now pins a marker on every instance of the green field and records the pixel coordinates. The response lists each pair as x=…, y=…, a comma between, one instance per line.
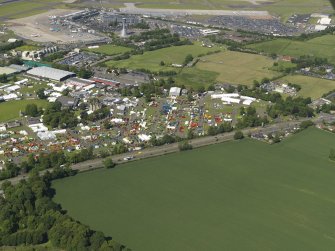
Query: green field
x=311, y=87
x=194, y=77
x=319, y=47
x=151, y=60
x=110, y=50
x=243, y=195
x=238, y=68
x=10, y=110
x=28, y=48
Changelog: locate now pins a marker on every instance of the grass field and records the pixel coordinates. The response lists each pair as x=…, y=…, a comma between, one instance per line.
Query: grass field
x=10, y=110
x=311, y=87
x=28, y=48
x=193, y=77
x=238, y=68
x=110, y=50
x=171, y=55
x=243, y=195
x=320, y=47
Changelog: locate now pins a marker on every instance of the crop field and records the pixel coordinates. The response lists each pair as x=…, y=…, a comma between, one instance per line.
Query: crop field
x=242, y=195
x=311, y=87
x=238, y=68
x=110, y=50
x=10, y=110
x=151, y=60
x=320, y=47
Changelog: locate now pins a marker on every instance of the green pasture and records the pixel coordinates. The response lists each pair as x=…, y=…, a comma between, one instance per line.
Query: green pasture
x=242, y=195
x=238, y=68
x=311, y=87
x=10, y=110
x=318, y=47
x=194, y=77
x=151, y=60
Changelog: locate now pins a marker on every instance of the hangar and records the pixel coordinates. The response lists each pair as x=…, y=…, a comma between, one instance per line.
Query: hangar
x=50, y=73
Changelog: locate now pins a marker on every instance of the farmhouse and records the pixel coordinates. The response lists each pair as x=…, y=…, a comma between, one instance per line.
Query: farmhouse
x=50, y=73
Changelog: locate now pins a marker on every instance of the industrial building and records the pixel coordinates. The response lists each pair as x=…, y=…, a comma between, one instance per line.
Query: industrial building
x=50, y=73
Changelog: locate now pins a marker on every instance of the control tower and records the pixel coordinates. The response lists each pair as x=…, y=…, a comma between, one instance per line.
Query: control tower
x=124, y=30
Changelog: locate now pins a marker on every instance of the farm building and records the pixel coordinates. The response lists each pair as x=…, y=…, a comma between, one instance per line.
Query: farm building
x=51, y=73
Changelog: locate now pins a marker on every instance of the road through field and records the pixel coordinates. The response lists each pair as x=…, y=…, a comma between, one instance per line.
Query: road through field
x=172, y=148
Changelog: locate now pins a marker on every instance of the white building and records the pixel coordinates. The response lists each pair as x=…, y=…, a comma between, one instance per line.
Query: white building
x=174, y=92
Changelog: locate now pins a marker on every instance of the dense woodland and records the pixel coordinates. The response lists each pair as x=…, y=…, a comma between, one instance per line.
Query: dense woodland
x=28, y=216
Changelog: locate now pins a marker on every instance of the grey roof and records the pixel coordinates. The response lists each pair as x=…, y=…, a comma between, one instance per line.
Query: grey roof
x=50, y=73
x=19, y=67
x=68, y=101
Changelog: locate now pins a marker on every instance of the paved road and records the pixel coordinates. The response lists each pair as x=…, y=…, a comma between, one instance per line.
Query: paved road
x=131, y=8
x=167, y=149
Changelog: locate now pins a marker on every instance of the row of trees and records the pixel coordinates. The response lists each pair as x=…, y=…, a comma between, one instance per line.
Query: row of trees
x=81, y=72
x=297, y=107
x=281, y=106
x=250, y=118
x=10, y=46
x=222, y=128
x=45, y=161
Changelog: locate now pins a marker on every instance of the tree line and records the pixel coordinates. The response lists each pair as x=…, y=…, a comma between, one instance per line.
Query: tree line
x=28, y=216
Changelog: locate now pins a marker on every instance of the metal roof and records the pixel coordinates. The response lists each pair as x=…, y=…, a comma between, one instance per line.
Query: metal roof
x=50, y=73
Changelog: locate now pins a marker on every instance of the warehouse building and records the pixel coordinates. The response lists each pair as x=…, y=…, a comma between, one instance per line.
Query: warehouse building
x=50, y=73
